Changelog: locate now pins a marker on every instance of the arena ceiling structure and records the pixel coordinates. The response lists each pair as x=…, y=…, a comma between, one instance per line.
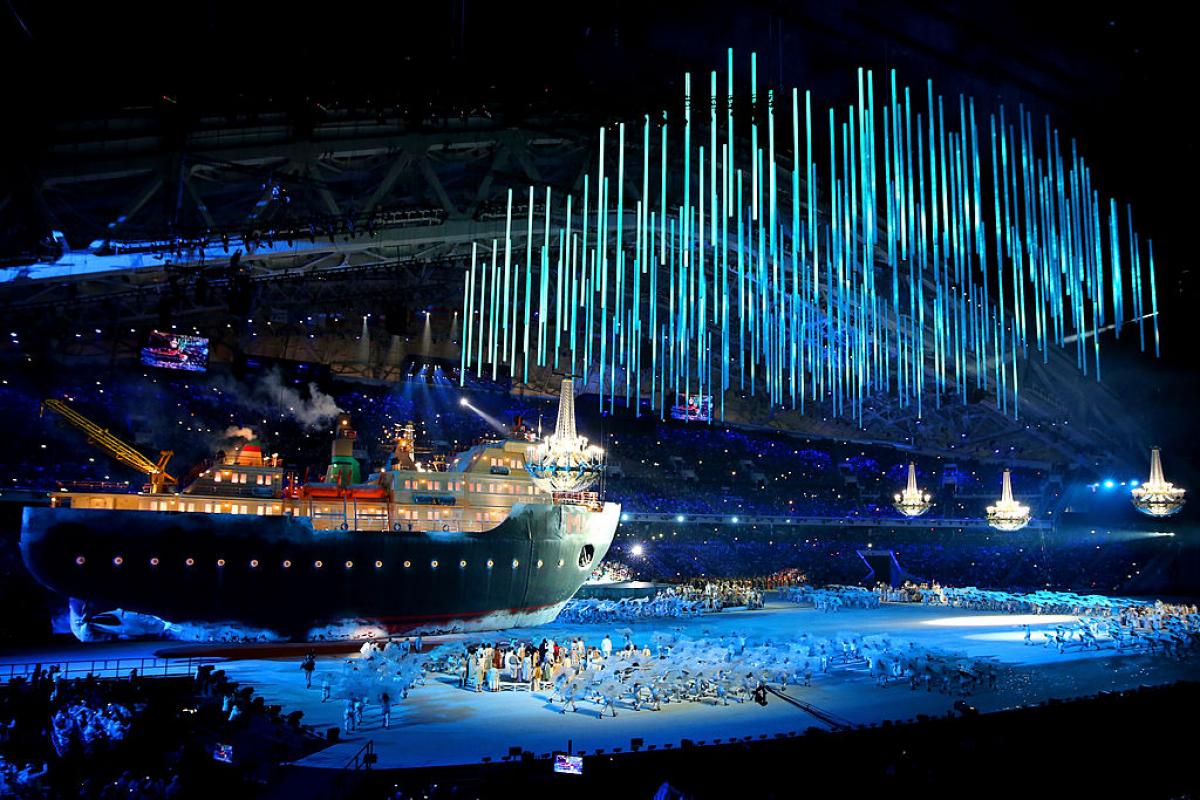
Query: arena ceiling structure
x=264, y=166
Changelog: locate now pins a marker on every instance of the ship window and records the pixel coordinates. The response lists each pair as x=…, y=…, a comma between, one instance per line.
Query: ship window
x=191, y=506
x=407, y=484
x=216, y=477
x=258, y=479
x=267, y=480
x=262, y=510
x=245, y=509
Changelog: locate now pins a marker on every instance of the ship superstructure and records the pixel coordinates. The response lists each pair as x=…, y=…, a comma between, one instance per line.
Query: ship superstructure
x=469, y=542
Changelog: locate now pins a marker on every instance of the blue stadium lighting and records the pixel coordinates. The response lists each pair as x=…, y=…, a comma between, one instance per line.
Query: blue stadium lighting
x=624, y=518
x=1109, y=483
x=735, y=519
x=1133, y=483
x=637, y=550
x=679, y=517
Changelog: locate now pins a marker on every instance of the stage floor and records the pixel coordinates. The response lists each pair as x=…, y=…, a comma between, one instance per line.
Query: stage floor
x=441, y=724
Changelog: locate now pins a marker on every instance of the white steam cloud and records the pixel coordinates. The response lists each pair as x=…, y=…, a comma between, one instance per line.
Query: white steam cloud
x=233, y=432
x=317, y=411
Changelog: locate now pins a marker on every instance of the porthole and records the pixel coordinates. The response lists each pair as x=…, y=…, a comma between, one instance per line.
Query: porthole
x=287, y=564
x=254, y=563
x=462, y=564
x=378, y=565
x=516, y=563
x=491, y=563
x=118, y=561
x=539, y=563
x=80, y=560
x=407, y=564
x=154, y=561
x=318, y=564
x=560, y=563
x=433, y=564
x=349, y=565
x=191, y=562
x=220, y=562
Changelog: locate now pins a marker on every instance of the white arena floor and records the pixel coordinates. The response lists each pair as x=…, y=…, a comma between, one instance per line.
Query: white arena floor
x=441, y=724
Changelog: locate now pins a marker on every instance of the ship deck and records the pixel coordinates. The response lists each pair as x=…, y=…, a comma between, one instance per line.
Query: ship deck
x=441, y=724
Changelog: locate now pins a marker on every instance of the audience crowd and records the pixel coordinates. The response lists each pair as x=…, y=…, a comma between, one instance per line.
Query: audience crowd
x=141, y=738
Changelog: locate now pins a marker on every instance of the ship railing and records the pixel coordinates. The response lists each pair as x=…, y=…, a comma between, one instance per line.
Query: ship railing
x=373, y=525
x=588, y=499
x=148, y=667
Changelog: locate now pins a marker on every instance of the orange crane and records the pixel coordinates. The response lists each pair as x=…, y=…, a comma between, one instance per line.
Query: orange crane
x=126, y=454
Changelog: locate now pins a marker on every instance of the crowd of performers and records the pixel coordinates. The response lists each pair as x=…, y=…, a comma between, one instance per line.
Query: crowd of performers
x=831, y=598
x=617, y=672
x=677, y=602
x=1124, y=624
x=715, y=670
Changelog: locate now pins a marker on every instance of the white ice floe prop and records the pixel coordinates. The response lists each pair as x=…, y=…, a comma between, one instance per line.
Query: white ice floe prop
x=912, y=502
x=564, y=461
x=1158, y=497
x=1008, y=515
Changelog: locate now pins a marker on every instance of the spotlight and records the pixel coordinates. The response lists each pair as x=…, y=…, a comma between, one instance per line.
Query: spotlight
x=463, y=402
x=1109, y=483
x=637, y=550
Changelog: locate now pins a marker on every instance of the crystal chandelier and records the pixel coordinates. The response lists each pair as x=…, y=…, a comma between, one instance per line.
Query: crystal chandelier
x=1157, y=497
x=564, y=461
x=1008, y=514
x=912, y=502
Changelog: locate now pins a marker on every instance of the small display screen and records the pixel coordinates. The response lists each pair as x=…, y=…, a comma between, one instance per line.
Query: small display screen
x=223, y=753
x=568, y=765
x=176, y=351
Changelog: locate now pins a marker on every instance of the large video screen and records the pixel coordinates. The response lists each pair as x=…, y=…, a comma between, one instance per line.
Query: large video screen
x=696, y=408
x=568, y=765
x=176, y=351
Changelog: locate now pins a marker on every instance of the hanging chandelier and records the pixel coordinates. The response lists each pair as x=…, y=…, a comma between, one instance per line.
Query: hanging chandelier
x=1157, y=497
x=1008, y=515
x=912, y=502
x=564, y=461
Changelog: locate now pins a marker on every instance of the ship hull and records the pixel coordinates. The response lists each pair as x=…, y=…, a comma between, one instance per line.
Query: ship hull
x=278, y=574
